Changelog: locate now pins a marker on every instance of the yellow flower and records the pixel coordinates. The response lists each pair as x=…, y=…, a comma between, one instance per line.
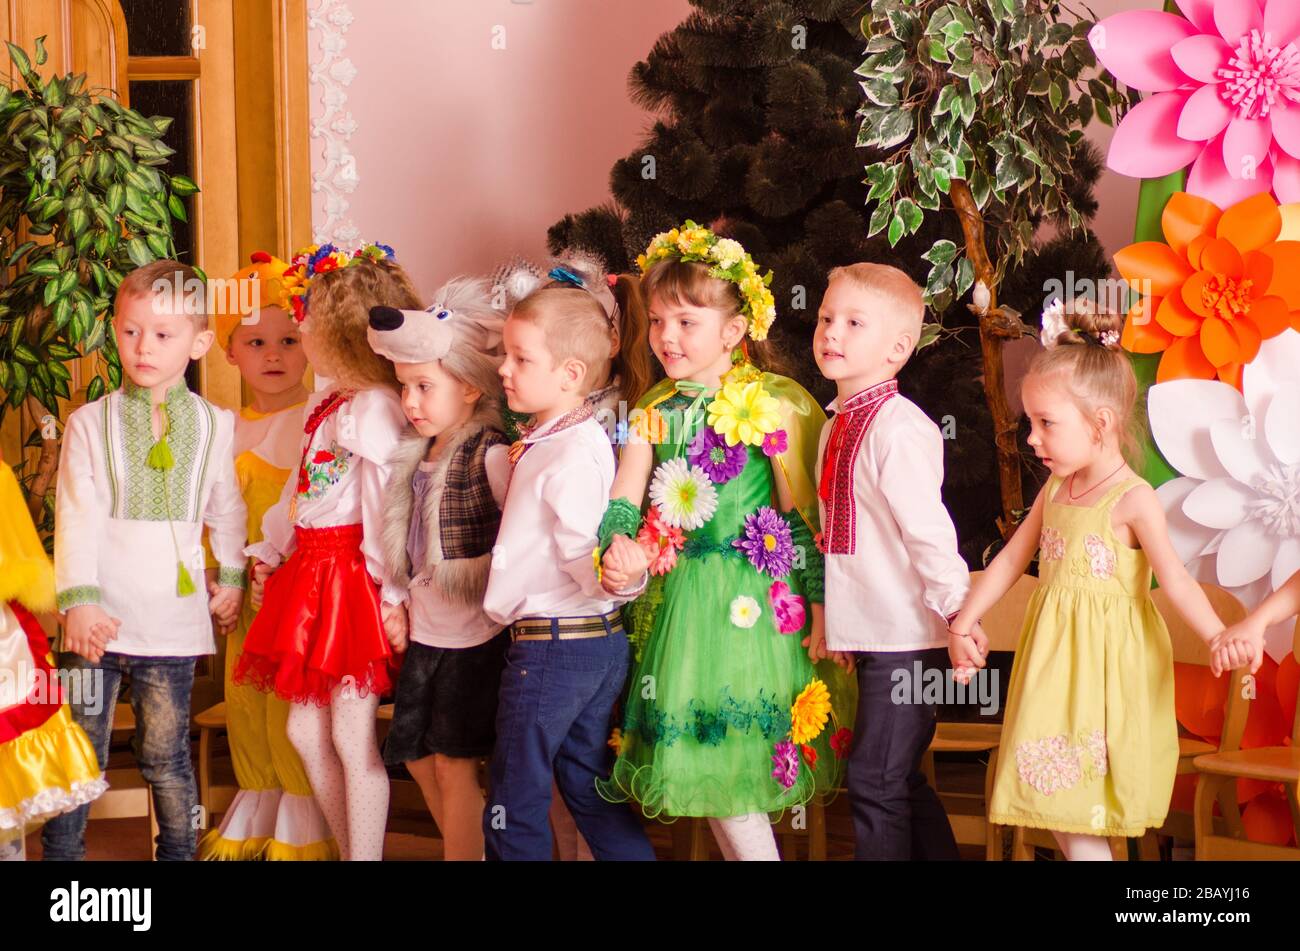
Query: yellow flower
x=742, y=373
x=744, y=414
x=595, y=561
x=615, y=741
x=811, y=710
x=650, y=426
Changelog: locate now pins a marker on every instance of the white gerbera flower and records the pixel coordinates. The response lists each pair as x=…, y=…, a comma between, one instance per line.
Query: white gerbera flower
x=745, y=612
x=1234, y=515
x=684, y=494
x=727, y=253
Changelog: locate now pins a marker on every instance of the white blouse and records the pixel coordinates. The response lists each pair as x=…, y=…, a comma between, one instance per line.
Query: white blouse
x=347, y=470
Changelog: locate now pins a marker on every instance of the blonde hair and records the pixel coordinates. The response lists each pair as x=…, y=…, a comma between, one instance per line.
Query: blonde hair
x=576, y=328
x=339, y=312
x=689, y=282
x=896, y=294
x=181, y=281
x=1096, y=375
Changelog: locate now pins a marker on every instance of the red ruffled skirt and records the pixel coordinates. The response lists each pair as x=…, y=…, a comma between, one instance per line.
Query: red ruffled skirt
x=320, y=623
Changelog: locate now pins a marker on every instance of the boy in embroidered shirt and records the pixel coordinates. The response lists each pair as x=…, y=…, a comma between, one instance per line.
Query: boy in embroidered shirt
x=142, y=470
x=569, y=654
x=893, y=574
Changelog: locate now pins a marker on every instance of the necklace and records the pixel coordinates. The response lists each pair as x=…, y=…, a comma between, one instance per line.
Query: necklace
x=1070, y=488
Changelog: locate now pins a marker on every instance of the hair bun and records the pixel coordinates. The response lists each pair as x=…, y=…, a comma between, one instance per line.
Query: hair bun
x=1080, y=322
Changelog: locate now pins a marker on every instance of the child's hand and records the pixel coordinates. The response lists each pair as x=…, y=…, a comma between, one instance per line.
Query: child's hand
x=257, y=584
x=224, y=604
x=816, y=639
x=967, y=652
x=1237, y=646
x=88, y=631
x=395, y=626
x=623, y=565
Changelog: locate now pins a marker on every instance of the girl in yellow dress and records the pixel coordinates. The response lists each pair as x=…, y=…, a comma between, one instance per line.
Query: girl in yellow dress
x=47, y=765
x=274, y=815
x=1089, y=741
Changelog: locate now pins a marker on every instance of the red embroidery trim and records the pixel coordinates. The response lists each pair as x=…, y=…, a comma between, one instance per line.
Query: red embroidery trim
x=854, y=418
x=322, y=412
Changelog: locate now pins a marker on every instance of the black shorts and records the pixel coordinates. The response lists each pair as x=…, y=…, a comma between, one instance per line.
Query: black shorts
x=447, y=701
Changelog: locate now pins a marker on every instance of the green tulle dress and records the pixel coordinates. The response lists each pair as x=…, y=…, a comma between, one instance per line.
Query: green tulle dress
x=710, y=695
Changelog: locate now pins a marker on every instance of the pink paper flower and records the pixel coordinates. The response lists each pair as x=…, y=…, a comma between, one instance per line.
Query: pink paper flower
x=787, y=607
x=775, y=443
x=660, y=541
x=1225, y=86
x=785, y=763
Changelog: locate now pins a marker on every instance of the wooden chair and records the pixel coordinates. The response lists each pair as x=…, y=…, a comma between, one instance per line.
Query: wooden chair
x=1002, y=624
x=213, y=799
x=1188, y=648
x=1220, y=771
x=128, y=795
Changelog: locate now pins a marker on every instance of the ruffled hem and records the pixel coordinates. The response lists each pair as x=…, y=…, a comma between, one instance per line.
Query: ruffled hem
x=1050, y=825
x=49, y=803
x=46, y=772
x=296, y=685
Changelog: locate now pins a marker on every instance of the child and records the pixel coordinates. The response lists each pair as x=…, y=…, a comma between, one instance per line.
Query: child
x=47, y=765
x=141, y=470
x=1089, y=741
x=568, y=658
x=441, y=516
x=723, y=691
x=322, y=637
x=893, y=573
x=273, y=815
x=1243, y=643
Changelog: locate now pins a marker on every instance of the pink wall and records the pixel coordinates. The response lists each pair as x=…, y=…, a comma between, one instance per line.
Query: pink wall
x=466, y=154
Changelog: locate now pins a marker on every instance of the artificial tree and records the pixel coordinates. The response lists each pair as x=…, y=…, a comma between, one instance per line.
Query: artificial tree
x=984, y=103
x=83, y=201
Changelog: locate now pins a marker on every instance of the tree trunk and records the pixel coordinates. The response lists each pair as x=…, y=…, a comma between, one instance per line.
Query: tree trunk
x=46, y=465
x=993, y=332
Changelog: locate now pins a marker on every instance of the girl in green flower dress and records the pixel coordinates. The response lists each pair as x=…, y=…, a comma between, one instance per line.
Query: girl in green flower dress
x=727, y=717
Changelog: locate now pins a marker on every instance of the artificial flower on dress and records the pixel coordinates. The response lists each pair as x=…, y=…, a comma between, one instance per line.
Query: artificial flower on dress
x=787, y=607
x=842, y=742
x=775, y=443
x=1221, y=285
x=809, y=755
x=1234, y=514
x=660, y=541
x=767, y=542
x=810, y=712
x=785, y=763
x=1225, y=95
x=710, y=451
x=745, y=612
x=684, y=494
x=744, y=413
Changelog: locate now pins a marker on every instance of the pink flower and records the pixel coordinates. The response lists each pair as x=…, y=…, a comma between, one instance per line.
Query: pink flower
x=787, y=607
x=1226, y=95
x=775, y=443
x=785, y=763
x=842, y=742
x=661, y=542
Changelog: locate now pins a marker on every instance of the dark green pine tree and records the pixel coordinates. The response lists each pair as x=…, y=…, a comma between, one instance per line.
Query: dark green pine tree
x=755, y=136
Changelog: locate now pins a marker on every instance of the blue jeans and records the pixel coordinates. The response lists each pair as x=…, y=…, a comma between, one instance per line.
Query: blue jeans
x=553, y=724
x=897, y=815
x=160, y=698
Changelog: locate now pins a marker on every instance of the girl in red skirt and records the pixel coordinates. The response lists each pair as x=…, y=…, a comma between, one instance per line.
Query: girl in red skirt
x=329, y=623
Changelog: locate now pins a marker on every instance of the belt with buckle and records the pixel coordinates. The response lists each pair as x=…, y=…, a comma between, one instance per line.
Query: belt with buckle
x=567, y=628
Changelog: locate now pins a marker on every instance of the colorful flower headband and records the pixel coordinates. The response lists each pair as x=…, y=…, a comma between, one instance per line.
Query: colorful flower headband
x=728, y=261
x=318, y=259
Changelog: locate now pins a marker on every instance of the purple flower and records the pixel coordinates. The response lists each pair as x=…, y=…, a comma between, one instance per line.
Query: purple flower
x=775, y=443
x=767, y=543
x=785, y=760
x=710, y=452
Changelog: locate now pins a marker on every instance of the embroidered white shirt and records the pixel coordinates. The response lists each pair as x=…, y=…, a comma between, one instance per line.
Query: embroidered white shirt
x=121, y=525
x=347, y=468
x=907, y=576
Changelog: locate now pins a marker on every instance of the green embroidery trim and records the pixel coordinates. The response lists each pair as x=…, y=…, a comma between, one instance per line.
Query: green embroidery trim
x=232, y=578
x=75, y=597
x=108, y=456
x=149, y=490
x=708, y=725
x=207, y=456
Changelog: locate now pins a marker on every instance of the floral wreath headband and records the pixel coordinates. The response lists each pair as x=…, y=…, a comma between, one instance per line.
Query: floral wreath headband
x=317, y=259
x=1054, y=324
x=727, y=260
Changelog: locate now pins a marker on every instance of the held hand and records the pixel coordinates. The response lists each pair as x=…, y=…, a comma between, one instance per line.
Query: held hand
x=624, y=563
x=967, y=653
x=395, y=626
x=257, y=583
x=816, y=639
x=224, y=605
x=89, y=631
x=1237, y=646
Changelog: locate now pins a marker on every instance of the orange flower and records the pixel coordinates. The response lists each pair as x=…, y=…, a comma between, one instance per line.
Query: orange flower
x=1221, y=284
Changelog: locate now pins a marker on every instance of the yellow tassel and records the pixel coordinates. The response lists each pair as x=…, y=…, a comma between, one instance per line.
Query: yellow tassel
x=184, y=583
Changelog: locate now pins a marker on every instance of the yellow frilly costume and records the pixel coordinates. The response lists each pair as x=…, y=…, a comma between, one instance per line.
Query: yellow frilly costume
x=47, y=764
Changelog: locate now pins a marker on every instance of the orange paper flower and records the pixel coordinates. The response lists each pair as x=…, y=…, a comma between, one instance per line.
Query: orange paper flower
x=1221, y=284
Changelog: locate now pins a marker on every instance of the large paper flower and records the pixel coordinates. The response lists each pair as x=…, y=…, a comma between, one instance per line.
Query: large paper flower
x=1234, y=515
x=810, y=712
x=767, y=542
x=744, y=413
x=720, y=461
x=1226, y=95
x=661, y=542
x=683, y=494
x=1221, y=284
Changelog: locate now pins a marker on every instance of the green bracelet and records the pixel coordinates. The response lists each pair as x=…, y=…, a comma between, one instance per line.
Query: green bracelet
x=621, y=518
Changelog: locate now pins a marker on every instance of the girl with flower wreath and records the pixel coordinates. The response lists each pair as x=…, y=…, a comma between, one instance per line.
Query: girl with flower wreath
x=727, y=717
x=332, y=615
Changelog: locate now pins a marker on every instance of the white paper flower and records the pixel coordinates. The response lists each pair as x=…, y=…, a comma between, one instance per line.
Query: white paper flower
x=1234, y=515
x=684, y=494
x=727, y=253
x=745, y=612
